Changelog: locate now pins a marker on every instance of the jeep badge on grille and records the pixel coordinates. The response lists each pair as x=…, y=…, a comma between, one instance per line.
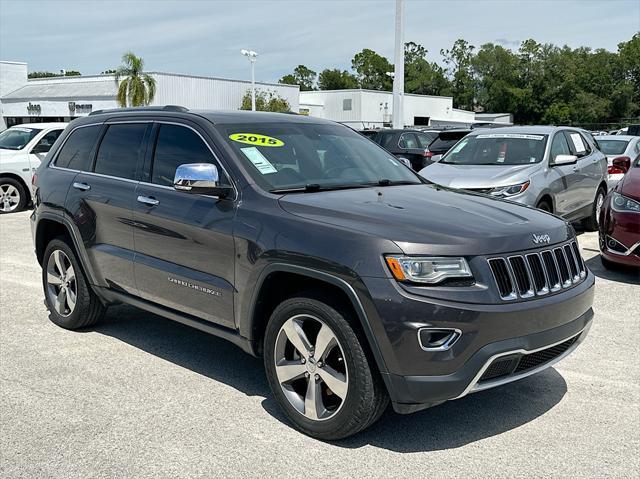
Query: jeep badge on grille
x=537, y=239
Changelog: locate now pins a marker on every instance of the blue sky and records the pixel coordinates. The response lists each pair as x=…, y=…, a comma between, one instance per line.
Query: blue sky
x=205, y=37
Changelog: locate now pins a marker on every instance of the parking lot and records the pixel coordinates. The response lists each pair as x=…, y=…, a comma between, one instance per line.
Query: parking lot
x=140, y=396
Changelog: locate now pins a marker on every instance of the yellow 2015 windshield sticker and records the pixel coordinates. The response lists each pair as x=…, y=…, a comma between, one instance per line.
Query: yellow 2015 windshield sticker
x=256, y=139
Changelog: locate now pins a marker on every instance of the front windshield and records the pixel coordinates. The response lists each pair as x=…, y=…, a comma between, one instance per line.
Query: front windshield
x=294, y=156
x=16, y=138
x=497, y=149
x=613, y=147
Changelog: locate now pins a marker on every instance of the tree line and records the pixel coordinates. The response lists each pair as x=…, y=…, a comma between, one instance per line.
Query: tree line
x=538, y=83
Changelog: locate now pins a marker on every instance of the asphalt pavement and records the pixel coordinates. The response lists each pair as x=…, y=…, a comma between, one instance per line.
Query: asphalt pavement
x=140, y=396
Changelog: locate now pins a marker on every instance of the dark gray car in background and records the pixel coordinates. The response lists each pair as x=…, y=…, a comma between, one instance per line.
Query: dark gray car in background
x=305, y=243
x=556, y=169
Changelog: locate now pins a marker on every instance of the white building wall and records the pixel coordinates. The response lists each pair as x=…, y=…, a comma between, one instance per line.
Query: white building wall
x=213, y=93
x=373, y=108
x=13, y=75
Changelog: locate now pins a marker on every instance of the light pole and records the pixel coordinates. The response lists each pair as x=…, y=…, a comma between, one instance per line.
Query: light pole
x=252, y=56
x=398, y=77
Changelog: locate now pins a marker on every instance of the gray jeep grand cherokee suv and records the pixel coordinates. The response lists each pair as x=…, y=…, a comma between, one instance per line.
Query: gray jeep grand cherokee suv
x=303, y=242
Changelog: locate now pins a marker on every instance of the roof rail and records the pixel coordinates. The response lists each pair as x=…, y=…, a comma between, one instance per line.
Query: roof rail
x=141, y=108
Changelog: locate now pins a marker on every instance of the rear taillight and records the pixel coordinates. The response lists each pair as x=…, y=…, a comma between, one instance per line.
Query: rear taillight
x=614, y=169
x=34, y=180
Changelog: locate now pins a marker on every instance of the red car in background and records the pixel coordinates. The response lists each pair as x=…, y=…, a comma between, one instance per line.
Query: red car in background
x=619, y=223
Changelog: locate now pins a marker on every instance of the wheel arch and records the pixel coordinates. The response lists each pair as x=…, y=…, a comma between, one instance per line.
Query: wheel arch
x=279, y=281
x=548, y=197
x=50, y=226
x=19, y=178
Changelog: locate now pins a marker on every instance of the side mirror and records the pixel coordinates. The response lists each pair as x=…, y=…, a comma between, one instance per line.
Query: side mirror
x=200, y=179
x=41, y=148
x=564, y=160
x=622, y=163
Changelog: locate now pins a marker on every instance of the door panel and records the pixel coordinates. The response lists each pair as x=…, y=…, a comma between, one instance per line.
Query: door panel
x=103, y=215
x=185, y=252
x=184, y=242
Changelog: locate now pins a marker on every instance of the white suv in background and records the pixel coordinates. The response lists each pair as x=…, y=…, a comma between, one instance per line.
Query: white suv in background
x=22, y=148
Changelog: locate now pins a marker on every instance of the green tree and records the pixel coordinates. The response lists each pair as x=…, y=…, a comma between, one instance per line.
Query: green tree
x=302, y=76
x=460, y=72
x=265, y=101
x=136, y=88
x=371, y=70
x=421, y=76
x=336, y=79
x=43, y=74
x=109, y=71
x=629, y=53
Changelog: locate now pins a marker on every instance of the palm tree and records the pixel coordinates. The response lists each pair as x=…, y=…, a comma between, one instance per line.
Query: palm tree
x=136, y=88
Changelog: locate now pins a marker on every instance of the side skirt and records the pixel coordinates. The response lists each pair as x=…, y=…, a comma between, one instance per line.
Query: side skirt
x=114, y=297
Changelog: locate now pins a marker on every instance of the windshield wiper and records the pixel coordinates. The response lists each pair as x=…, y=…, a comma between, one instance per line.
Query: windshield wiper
x=313, y=187
x=387, y=182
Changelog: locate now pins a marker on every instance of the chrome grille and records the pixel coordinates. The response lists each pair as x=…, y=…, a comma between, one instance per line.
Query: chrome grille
x=536, y=274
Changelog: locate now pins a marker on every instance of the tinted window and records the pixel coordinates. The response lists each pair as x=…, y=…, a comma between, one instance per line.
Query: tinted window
x=425, y=139
x=613, y=147
x=559, y=146
x=176, y=146
x=76, y=151
x=409, y=141
x=120, y=150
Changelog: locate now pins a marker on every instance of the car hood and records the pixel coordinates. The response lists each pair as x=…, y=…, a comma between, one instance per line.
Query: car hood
x=477, y=176
x=10, y=155
x=629, y=186
x=427, y=219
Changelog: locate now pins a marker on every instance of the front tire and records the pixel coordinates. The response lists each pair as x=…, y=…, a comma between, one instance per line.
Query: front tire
x=71, y=302
x=318, y=370
x=591, y=223
x=13, y=196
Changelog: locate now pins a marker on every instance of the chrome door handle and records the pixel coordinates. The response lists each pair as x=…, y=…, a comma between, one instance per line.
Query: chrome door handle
x=148, y=200
x=81, y=186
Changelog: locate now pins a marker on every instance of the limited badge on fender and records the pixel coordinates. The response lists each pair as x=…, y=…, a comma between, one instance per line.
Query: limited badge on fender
x=256, y=139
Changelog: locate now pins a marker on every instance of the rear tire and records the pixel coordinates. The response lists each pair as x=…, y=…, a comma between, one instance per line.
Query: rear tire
x=360, y=396
x=591, y=223
x=13, y=196
x=71, y=302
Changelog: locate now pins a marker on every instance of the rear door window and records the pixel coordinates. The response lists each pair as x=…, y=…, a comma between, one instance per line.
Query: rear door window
x=408, y=141
x=75, y=154
x=578, y=145
x=121, y=149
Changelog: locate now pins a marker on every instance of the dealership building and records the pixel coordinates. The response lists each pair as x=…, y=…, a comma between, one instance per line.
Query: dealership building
x=64, y=98
x=24, y=100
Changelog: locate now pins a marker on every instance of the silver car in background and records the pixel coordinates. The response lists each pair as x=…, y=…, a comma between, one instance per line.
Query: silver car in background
x=616, y=146
x=556, y=169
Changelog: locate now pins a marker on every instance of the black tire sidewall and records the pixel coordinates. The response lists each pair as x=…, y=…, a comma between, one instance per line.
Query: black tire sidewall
x=77, y=319
x=22, y=204
x=355, y=359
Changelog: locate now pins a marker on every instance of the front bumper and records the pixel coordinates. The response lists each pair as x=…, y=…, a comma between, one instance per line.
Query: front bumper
x=413, y=393
x=417, y=378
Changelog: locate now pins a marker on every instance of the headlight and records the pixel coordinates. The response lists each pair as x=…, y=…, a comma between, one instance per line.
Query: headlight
x=623, y=204
x=506, y=191
x=429, y=270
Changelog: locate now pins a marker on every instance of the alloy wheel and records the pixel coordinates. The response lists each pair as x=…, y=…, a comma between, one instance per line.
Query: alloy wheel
x=9, y=197
x=62, y=288
x=599, y=203
x=310, y=367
